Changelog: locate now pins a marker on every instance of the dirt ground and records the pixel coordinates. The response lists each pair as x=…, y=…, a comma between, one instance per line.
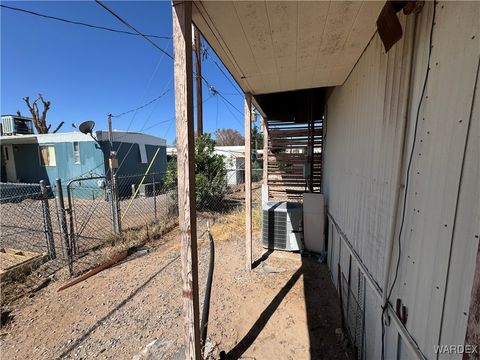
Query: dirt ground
x=286, y=308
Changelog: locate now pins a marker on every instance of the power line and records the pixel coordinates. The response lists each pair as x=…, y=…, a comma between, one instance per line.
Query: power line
x=142, y=106
x=134, y=29
x=160, y=122
x=73, y=22
x=143, y=98
x=172, y=118
x=163, y=51
x=221, y=95
x=233, y=114
x=221, y=70
x=159, y=48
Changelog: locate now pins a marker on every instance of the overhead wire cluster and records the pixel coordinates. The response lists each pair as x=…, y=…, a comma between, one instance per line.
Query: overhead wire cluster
x=123, y=21
x=80, y=23
x=148, y=37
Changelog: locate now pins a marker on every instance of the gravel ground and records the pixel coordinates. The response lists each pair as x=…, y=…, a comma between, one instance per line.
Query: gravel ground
x=286, y=308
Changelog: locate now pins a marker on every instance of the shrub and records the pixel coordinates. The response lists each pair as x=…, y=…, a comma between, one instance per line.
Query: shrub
x=210, y=174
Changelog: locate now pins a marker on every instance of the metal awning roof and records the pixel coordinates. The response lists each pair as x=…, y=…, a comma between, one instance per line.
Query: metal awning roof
x=276, y=46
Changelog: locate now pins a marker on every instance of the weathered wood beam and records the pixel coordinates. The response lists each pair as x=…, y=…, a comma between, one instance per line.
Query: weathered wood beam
x=198, y=81
x=248, y=180
x=182, y=46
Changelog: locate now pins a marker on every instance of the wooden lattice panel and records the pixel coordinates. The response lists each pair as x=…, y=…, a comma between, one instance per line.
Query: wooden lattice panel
x=288, y=156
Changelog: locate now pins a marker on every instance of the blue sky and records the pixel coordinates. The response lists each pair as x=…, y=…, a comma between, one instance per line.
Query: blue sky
x=87, y=73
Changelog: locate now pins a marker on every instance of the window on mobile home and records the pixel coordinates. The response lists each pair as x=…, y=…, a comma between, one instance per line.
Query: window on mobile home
x=76, y=152
x=47, y=155
x=143, y=153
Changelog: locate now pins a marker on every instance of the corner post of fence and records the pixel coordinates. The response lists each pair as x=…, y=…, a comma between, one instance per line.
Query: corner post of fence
x=63, y=225
x=154, y=197
x=47, y=222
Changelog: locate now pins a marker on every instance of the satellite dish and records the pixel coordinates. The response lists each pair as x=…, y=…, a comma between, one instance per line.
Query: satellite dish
x=86, y=127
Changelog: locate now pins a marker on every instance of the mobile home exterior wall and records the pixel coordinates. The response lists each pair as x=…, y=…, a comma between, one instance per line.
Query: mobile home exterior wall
x=371, y=124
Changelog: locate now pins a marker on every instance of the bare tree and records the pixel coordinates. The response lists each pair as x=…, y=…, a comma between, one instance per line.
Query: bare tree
x=228, y=137
x=40, y=121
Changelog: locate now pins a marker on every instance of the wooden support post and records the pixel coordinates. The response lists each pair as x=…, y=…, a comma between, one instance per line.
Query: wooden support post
x=265, y=161
x=198, y=80
x=182, y=46
x=248, y=180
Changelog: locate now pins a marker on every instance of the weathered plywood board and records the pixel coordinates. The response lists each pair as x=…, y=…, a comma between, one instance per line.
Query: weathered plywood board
x=16, y=263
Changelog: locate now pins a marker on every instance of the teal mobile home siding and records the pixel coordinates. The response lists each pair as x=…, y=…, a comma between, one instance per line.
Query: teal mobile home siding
x=27, y=163
x=29, y=169
x=129, y=156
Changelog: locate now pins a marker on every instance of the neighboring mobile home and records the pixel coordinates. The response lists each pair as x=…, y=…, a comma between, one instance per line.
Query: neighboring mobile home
x=34, y=157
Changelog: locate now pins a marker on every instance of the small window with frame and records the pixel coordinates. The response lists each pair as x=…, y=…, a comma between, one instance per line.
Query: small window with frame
x=76, y=152
x=47, y=155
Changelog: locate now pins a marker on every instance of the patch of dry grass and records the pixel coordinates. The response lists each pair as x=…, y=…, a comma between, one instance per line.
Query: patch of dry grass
x=233, y=225
x=137, y=237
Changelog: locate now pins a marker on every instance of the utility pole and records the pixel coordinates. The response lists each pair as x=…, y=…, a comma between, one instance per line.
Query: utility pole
x=113, y=166
x=198, y=65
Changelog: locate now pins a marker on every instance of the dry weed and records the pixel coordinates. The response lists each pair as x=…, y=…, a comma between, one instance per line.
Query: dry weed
x=233, y=225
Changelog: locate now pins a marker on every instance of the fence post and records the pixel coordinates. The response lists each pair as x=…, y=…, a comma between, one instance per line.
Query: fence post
x=154, y=197
x=114, y=198
x=47, y=222
x=73, y=241
x=63, y=225
x=117, y=203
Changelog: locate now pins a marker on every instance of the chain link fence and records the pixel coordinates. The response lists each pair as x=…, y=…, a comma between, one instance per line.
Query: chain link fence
x=144, y=200
x=30, y=236
x=69, y=225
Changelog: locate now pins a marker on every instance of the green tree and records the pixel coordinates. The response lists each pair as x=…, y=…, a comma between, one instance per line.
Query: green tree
x=210, y=174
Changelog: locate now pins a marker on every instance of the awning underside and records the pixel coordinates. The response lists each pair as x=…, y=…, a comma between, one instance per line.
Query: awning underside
x=275, y=46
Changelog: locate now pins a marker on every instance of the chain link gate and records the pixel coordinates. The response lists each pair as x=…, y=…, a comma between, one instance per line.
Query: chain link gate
x=89, y=214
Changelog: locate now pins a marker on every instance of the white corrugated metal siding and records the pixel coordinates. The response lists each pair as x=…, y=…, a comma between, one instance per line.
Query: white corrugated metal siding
x=363, y=151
